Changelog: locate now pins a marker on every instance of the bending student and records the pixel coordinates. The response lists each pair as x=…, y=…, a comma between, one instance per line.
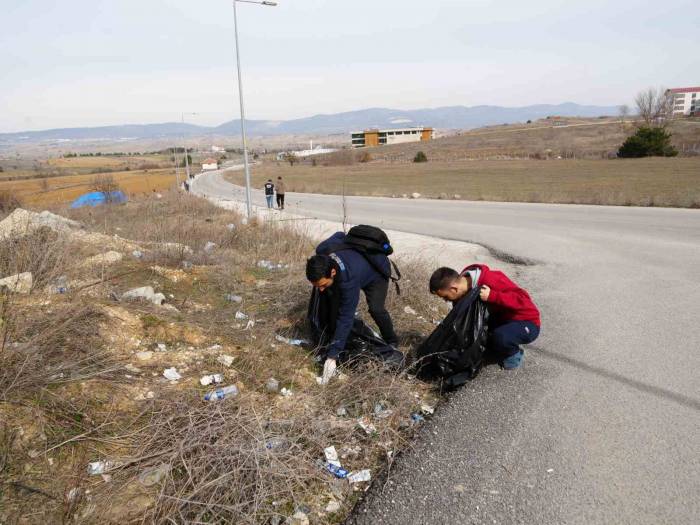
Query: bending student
x=513, y=317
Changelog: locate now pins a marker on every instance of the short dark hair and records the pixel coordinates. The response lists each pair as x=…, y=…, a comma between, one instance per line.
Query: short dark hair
x=318, y=266
x=442, y=278
x=279, y=178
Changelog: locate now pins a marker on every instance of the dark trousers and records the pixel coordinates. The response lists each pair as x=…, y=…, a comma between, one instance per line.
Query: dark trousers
x=376, y=297
x=280, y=200
x=505, y=339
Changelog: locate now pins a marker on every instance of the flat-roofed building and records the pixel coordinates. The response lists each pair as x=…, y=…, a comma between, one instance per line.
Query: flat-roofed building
x=380, y=137
x=686, y=101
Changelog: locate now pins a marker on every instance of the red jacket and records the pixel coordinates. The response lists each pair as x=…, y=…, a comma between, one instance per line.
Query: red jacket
x=507, y=301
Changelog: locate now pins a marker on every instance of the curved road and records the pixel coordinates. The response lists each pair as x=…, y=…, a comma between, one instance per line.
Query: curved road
x=602, y=424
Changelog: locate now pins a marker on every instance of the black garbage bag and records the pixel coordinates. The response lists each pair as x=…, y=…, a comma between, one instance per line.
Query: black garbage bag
x=363, y=342
x=455, y=350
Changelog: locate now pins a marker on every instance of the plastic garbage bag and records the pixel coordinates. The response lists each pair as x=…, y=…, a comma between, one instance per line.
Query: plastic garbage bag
x=455, y=350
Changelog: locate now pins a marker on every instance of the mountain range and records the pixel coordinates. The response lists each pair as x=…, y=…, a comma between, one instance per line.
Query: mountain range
x=450, y=117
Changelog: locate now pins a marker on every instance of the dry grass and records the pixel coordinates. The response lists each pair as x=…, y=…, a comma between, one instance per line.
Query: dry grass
x=68, y=397
x=639, y=182
x=64, y=189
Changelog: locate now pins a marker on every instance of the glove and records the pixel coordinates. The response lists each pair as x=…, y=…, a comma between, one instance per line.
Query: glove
x=328, y=370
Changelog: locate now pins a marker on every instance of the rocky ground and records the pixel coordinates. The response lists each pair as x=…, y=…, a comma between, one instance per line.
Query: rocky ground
x=116, y=322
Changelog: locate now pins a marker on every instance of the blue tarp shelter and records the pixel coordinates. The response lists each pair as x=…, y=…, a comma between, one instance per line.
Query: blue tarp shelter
x=97, y=198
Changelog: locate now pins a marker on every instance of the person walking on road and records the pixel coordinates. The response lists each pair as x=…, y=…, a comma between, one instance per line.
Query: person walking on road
x=513, y=317
x=269, y=192
x=343, y=275
x=279, y=187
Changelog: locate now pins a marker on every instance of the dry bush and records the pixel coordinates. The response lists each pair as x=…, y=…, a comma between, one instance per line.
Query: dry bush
x=105, y=184
x=44, y=253
x=8, y=202
x=45, y=345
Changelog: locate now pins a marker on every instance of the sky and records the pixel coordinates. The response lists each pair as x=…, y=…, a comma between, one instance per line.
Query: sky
x=97, y=62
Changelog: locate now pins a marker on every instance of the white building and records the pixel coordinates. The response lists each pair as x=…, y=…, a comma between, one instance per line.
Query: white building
x=686, y=101
x=210, y=164
x=380, y=137
x=318, y=150
x=218, y=149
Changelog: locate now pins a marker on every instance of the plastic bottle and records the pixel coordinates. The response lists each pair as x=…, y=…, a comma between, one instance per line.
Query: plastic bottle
x=220, y=393
x=338, y=472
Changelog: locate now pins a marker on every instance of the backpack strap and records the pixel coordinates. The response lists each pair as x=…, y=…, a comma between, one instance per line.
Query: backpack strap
x=381, y=272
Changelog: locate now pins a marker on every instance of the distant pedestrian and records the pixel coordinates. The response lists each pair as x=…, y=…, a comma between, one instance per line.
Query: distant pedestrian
x=269, y=192
x=186, y=185
x=280, y=193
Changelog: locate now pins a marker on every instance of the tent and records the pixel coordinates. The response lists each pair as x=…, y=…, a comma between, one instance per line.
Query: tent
x=97, y=198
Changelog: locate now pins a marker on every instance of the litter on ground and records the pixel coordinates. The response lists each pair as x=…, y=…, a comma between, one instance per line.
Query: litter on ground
x=214, y=379
x=359, y=476
x=293, y=342
x=171, y=374
x=365, y=425
x=226, y=360
x=221, y=393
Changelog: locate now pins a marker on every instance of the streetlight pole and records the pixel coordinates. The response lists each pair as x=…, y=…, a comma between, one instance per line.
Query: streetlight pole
x=249, y=208
x=184, y=143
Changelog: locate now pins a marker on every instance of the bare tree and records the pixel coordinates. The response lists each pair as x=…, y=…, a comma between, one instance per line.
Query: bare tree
x=291, y=158
x=624, y=111
x=655, y=106
x=106, y=185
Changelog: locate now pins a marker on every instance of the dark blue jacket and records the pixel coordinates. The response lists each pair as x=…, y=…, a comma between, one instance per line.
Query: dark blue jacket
x=354, y=274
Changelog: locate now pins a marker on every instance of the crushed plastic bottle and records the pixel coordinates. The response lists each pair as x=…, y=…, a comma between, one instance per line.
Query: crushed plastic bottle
x=221, y=393
x=359, y=476
x=337, y=471
x=287, y=340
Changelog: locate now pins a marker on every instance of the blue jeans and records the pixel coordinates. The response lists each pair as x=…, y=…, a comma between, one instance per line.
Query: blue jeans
x=269, y=200
x=505, y=339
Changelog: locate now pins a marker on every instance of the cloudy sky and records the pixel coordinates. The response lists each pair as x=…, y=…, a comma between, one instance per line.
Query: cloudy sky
x=97, y=62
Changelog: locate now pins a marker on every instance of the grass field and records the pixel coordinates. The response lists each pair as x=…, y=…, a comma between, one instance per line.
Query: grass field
x=64, y=189
x=671, y=182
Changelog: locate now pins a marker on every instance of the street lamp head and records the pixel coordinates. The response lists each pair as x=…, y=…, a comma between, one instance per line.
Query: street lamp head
x=265, y=2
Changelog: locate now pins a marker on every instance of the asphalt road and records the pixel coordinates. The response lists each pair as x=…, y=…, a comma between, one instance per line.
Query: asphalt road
x=602, y=424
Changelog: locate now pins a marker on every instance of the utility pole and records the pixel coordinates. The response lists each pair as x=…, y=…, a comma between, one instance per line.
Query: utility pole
x=246, y=167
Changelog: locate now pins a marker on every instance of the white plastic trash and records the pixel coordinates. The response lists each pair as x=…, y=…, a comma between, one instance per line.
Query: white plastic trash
x=171, y=374
x=360, y=476
x=211, y=379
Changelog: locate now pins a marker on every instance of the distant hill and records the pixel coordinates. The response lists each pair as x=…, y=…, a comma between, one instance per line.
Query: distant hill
x=451, y=117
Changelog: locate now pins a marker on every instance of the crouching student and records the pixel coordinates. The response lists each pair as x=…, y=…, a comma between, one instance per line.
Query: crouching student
x=344, y=274
x=513, y=317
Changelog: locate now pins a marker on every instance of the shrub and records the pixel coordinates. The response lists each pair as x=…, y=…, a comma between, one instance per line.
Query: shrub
x=8, y=202
x=420, y=157
x=648, y=142
x=365, y=157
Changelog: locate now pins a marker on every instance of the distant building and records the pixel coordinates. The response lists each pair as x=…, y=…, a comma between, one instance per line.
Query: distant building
x=217, y=149
x=318, y=150
x=380, y=137
x=210, y=164
x=686, y=101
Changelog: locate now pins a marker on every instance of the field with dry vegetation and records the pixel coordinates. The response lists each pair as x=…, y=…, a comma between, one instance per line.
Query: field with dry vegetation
x=82, y=372
x=671, y=182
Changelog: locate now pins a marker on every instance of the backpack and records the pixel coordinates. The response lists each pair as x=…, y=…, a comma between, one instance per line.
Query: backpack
x=455, y=350
x=370, y=240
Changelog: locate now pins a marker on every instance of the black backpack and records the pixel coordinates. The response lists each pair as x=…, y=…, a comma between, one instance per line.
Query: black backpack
x=455, y=350
x=370, y=240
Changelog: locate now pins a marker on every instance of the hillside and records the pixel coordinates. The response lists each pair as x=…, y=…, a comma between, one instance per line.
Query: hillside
x=454, y=117
x=568, y=138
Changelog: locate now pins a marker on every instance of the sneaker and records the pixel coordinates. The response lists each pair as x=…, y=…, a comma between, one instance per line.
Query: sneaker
x=514, y=361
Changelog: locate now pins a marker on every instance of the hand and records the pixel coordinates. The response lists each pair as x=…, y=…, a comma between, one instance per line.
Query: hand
x=328, y=370
x=484, y=293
